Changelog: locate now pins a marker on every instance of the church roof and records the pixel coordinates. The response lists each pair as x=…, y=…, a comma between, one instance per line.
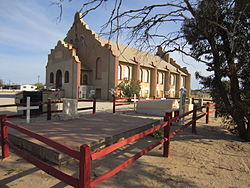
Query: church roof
x=133, y=55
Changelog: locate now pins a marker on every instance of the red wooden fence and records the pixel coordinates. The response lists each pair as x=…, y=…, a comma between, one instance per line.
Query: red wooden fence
x=85, y=156
x=49, y=111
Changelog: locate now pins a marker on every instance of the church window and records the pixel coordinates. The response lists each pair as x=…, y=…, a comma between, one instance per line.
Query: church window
x=183, y=81
x=160, y=78
x=51, y=77
x=99, y=68
x=146, y=76
x=126, y=73
x=141, y=75
x=66, y=77
x=119, y=72
x=172, y=78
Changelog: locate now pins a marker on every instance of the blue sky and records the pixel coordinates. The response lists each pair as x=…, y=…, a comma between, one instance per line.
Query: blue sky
x=28, y=30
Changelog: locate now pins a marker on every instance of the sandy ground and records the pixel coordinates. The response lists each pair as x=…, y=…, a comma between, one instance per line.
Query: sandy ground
x=211, y=158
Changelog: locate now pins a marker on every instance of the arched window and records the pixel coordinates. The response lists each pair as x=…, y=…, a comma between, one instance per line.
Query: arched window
x=183, y=81
x=66, y=77
x=98, y=68
x=141, y=75
x=160, y=78
x=172, y=79
x=59, y=79
x=51, y=77
x=119, y=72
x=126, y=73
x=146, y=76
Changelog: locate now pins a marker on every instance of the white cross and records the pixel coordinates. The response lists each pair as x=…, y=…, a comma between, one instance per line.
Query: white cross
x=28, y=108
x=134, y=100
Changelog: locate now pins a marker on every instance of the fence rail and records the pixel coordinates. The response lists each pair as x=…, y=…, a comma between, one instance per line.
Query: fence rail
x=85, y=156
x=49, y=105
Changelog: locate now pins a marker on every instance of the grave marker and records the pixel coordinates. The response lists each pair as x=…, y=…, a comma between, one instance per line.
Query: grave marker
x=27, y=108
x=182, y=102
x=134, y=100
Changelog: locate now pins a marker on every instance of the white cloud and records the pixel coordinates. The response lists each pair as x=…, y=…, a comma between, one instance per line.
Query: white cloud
x=26, y=25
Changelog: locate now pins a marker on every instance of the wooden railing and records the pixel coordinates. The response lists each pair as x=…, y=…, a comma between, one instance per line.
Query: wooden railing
x=49, y=105
x=85, y=156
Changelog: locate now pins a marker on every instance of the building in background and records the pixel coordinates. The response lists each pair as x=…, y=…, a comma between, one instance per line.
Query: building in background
x=83, y=62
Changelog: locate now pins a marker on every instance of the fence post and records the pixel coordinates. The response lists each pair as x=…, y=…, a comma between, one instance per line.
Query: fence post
x=194, y=119
x=192, y=100
x=49, y=109
x=85, y=167
x=114, y=104
x=216, y=112
x=166, y=144
x=177, y=113
x=94, y=105
x=207, y=113
x=4, y=137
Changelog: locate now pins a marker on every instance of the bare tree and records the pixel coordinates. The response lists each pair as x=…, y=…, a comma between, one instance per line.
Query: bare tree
x=213, y=32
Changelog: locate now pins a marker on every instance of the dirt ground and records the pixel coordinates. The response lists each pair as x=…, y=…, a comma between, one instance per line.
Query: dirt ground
x=211, y=158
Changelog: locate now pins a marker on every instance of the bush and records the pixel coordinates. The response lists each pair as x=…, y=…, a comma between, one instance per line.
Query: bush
x=129, y=88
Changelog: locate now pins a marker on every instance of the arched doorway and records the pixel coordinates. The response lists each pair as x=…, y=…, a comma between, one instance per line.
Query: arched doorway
x=58, y=79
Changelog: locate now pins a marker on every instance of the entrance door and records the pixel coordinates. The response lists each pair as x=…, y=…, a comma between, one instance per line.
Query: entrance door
x=58, y=79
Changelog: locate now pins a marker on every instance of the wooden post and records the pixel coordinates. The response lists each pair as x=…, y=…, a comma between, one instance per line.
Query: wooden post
x=85, y=167
x=192, y=100
x=113, y=104
x=166, y=144
x=94, y=105
x=4, y=137
x=154, y=97
x=177, y=113
x=194, y=119
x=49, y=109
x=207, y=113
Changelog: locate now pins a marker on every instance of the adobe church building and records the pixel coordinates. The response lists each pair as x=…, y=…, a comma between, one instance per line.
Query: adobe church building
x=83, y=62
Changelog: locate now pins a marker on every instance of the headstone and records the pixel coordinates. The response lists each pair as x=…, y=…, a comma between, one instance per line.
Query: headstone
x=157, y=107
x=69, y=110
x=27, y=108
x=134, y=100
x=182, y=103
x=182, y=100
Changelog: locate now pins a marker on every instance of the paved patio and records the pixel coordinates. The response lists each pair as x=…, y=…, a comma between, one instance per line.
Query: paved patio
x=95, y=130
